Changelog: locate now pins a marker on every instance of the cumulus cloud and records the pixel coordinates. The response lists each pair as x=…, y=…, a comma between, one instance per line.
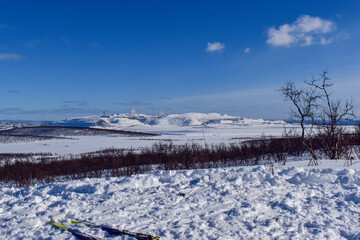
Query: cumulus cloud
x=305, y=31
x=247, y=50
x=215, y=47
x=10, y=56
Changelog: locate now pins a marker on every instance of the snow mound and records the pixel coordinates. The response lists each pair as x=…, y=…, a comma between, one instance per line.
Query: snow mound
x=230, y=203
x=187, y=119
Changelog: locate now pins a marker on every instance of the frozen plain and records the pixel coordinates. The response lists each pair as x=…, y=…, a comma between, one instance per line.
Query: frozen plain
x=199, y=128
x=297, y=202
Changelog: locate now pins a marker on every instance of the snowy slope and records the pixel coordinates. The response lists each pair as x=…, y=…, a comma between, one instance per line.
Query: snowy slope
x=178, y=120
x=231, y=203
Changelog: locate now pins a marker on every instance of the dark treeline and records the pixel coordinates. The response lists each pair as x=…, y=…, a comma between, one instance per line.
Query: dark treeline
x=41, y=133
x=10, y=138
x=161, y=156
x=11, y=157
x=56, y=131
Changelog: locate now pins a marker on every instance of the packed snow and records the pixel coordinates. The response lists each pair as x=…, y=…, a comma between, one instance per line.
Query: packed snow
x=230, y=203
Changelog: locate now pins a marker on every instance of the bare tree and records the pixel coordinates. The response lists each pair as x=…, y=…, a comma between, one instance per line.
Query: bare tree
x=332, y=113
x=314, y=102
x=304, y=101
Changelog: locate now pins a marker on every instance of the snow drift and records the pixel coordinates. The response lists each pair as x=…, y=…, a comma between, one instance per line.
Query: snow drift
x=230, y=203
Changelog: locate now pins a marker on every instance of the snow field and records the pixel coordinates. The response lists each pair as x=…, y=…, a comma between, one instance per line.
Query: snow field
x=200, y=128
x=230, y=203
x=179, y=135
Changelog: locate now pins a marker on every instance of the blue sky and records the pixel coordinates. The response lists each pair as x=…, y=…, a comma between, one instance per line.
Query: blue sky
x=61, y=59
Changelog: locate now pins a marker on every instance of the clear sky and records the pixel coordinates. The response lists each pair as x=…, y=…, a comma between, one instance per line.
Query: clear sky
x=62, y=59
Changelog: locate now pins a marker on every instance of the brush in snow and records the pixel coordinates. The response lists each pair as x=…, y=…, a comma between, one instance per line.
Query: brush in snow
x=76, y=233
x=113, y=231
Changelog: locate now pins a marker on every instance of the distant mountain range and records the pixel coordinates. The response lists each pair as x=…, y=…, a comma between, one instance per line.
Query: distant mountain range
x=173, y=120
x=122, y=121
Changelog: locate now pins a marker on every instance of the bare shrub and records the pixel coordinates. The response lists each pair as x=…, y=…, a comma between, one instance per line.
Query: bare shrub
x=161, y=156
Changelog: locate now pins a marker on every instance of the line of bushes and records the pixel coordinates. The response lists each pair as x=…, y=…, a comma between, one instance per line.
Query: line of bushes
x=161, y=156
x=12, y=138
x=9, y=158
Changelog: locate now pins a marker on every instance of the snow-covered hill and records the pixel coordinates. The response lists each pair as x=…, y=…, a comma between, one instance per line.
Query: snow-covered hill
x=177, y=120
x=231, y=203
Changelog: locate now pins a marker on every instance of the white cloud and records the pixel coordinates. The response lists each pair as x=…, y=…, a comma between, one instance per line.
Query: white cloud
x=308, y=40
x=314, y=24
x=281, y=37
x=247, y=50
x=305, y=31
x=325, y=41
x=10, y=56
x=215, y=47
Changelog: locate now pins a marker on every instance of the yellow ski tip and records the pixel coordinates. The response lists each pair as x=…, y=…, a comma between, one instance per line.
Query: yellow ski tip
x=75, y=222
x=52, y=222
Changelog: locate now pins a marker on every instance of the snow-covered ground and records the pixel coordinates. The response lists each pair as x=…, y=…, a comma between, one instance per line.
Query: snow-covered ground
x=298, y=202
x=201, y=128
x=230, y=203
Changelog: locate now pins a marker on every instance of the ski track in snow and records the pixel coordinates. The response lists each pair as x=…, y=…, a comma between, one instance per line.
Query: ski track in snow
x=230, y=203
